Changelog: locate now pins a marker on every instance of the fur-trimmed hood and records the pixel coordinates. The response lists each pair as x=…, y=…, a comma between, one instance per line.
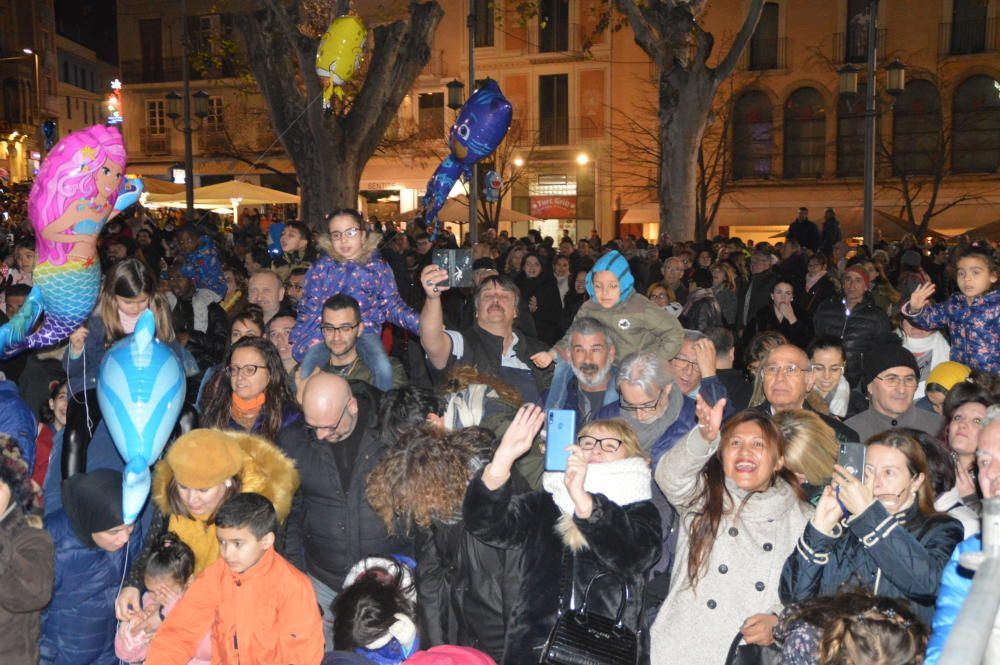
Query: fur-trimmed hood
x=368, y=251
x=266, y=470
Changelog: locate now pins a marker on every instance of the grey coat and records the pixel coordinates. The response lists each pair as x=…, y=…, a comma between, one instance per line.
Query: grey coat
x=870, y=422
x=744, y=567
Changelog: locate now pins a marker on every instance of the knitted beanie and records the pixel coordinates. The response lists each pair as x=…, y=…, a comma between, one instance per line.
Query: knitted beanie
x=613, y=262
x=947, y=374
x=886, y=356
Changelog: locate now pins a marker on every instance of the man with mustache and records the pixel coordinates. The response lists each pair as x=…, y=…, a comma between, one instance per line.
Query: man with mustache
x=956, y=580
x=592, y=357
x=490, y=343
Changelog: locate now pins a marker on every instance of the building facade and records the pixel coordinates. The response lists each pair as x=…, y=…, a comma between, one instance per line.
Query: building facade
x=794, y=140
x=84, y=86
x=582, y=150
x=27, y=86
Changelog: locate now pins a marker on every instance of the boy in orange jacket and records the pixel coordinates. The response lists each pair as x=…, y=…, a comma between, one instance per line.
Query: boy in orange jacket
x=260, y=609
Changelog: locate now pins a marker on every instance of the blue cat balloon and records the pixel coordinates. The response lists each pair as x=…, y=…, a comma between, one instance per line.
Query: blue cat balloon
x=480, y=127
x=140, y=387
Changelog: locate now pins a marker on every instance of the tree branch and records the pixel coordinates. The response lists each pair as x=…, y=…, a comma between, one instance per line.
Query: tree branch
x=728, y=64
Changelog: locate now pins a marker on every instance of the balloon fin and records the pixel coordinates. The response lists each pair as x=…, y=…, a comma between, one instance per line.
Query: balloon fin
x=136, y=482
x=13, y=332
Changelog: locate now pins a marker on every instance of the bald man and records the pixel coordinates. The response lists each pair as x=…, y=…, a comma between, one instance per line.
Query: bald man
x=335, y=446
x=266, y=290
x=788, y=378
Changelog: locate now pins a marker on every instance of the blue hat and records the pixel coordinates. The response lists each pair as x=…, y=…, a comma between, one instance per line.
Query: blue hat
x=613, y=262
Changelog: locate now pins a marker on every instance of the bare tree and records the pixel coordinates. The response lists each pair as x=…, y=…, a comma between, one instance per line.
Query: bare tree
x=916, y=160
x=670, y=34
x=329, y=150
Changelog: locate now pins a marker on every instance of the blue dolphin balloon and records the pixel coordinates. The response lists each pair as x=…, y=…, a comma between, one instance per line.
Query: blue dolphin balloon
x=479, y=128
x=140, y=387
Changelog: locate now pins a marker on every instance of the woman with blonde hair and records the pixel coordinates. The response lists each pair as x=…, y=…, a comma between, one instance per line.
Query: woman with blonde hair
x=811, y=449
x=724, y=286
x=894, y=544
x=595, y=518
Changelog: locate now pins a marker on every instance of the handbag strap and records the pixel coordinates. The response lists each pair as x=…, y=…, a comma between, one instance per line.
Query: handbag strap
x=567, y=588
x=624, y=595
x=734, y=649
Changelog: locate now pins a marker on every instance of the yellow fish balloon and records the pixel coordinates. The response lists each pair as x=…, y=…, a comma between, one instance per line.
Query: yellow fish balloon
x=339, y=56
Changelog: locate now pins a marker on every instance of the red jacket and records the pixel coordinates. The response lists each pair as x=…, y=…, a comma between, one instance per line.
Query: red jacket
x=265, y=616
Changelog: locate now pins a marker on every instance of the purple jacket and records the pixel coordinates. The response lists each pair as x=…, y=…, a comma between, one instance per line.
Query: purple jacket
x=975, y=328
x=368, y=280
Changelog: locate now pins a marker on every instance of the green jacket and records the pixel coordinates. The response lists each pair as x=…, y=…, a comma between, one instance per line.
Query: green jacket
x=636, y=325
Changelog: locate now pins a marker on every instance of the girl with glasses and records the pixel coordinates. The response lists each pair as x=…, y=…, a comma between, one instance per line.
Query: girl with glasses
x=353, y=267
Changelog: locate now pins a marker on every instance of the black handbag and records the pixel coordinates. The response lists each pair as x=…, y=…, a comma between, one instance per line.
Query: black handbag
x=750, y=654
x=581, y=637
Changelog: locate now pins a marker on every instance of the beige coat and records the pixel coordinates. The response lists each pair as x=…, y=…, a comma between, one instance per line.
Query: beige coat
x=744, y=567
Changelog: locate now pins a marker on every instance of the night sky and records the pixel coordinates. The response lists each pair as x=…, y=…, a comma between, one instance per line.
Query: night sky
x=92, y=23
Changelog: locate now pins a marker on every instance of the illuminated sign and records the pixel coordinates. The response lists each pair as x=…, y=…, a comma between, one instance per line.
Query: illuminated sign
x=114, y=104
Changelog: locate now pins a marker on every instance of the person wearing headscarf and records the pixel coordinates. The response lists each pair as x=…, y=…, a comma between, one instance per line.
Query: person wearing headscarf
x=94, y=550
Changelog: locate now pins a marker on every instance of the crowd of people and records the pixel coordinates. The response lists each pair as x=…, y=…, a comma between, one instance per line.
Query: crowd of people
x=359, y=473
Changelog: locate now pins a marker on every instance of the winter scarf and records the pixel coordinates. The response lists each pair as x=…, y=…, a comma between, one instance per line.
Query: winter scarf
x=615, y=263
x=930, y=352
x=199, y=535
x=622, y=481
x=812, y=279
x=649, y=433
x=839, y=398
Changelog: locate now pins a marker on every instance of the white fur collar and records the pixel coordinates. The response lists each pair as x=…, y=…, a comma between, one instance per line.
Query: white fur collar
x=623, y=482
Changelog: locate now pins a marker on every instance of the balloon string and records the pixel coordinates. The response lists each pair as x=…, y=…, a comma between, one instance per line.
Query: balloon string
x=285, y=131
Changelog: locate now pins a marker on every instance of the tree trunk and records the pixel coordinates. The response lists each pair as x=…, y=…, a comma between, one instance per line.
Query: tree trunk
x=683, y=116
x=329, y=150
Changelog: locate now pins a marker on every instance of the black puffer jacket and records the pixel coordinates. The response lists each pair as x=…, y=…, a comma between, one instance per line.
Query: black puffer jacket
x=624, y=540
x=860, y=329
x=466, y=588
x=331, y=527
x=894, y=556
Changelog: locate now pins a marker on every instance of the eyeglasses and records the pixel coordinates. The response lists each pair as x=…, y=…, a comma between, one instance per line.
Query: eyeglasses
x=832, y=369
x=332, y=428
x=684, y=363
x=329, y=329
x=349, y=233
x=608, y=445
x=659, y=296
x=636, y=408
x=244, y=370
x=789, y=371
x=894, y=380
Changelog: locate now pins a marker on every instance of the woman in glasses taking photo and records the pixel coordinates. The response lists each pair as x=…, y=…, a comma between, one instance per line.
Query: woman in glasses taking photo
x=250, y=393
x=596, y=517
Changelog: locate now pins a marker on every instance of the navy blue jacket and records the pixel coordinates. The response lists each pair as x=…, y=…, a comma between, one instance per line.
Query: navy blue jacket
x=17, y=421
x=78, y=626
x=683, y=424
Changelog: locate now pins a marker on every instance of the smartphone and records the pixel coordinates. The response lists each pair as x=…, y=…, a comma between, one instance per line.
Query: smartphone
x=457, y=263
x=560, y=435
x=852, y=458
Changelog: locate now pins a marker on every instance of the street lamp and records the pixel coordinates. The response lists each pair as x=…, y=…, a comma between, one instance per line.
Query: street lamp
x=179, y=112
x=848, y=85
x=456, y=94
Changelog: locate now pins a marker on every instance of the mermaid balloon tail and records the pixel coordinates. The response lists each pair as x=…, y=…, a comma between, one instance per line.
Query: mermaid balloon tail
x=69, y=292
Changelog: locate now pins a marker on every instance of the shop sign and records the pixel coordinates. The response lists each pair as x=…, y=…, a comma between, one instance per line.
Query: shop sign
x=553, y=207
